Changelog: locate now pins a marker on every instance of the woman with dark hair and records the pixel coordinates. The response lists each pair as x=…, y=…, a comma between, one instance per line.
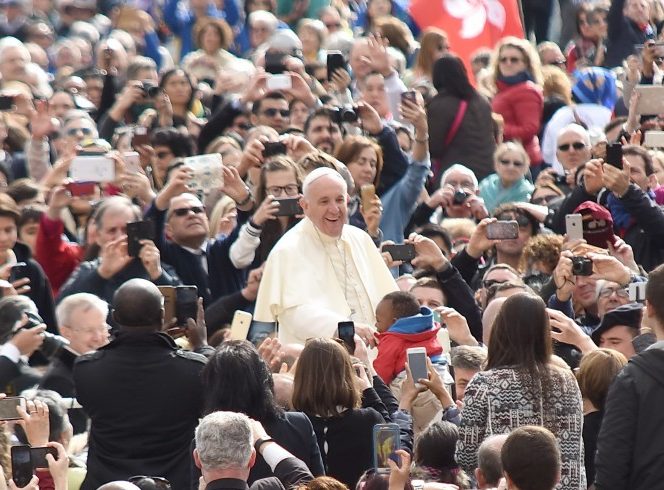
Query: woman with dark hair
x=588, y=46
x=177, y=84
x=522, y=386
x=434, y=455
x=339, y=400
x=236, y=379
x=460, y=124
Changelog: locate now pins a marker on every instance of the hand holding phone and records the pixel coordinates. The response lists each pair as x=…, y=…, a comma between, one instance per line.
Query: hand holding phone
x=404, y=252
x=386, y=442
x=417, y=362
x=574, y=227
x=137, y=231
x=22, y=471
x=186, y=304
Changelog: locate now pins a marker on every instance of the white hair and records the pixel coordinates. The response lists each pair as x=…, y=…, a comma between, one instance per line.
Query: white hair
x=319, y=173
x=578, y=129
x=11, y=42
x=265, y=17
x=224, y=441
x=79, y=303
x=457, y=167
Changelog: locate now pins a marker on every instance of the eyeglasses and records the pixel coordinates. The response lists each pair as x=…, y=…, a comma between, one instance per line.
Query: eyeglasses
x=93, y=330
x=185, y=211
x=620, y=292
x=274, y=112
x=152, y=481
x=163, y=154
x=487, y=283
x=577, y=145
x=510, y=59
x=504, y=161
x=74, y=131
x=278, y=190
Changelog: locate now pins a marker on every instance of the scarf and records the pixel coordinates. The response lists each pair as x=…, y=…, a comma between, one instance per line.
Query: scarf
x=520, y=77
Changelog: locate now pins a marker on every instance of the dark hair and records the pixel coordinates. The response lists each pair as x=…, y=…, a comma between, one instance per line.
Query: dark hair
x=236, y=379
x=221, y=26
x=512, y=208
x=403, y=304
x=56, y=415
x=583, y=9
x=434, y=453
x=165, y=76
x=655, y=293
x=256, y=108
x=521, y=337
x=23, y=190
x=8, y=207
x=321, y=112
x=180, y=144
x=30, y=214
x=639, y=151
x=11, y=310
x=371, y=480
x=450, y=75
x=432, y=230
x=531, y=458
x=614, y=123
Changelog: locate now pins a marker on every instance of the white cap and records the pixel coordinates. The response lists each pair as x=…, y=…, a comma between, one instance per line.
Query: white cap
x=322, y=172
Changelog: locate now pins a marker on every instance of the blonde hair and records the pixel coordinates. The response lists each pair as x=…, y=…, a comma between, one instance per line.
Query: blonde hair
x=530, y=56
x=511, y=146
x=224, y=206
x=556, y=82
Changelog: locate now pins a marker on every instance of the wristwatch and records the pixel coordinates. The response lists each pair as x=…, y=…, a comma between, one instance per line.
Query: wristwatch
x=260, y=442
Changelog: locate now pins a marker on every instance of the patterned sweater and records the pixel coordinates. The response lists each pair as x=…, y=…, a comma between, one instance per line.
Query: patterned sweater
x=499, y=400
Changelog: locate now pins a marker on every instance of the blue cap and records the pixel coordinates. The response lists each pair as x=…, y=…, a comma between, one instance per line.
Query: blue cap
x=595, y=85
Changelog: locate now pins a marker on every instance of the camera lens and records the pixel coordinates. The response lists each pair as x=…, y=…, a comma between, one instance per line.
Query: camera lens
x=349, y=115
x=460, y=197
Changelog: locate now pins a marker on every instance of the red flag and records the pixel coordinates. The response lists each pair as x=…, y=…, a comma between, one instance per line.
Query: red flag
x=470, y=24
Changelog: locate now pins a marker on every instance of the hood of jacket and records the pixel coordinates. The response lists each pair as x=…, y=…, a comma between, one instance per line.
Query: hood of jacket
x=651, y=363
x=415, y=328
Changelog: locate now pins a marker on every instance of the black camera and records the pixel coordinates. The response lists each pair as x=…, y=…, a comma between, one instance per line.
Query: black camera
x=460, y=197
x=150, y=89
x=52, y=343
x=344, y=114
x=582, y=266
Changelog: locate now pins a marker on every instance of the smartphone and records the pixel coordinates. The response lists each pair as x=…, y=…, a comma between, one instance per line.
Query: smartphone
x=6, y=102
x=132, y=161
x=367, y=192
x=137, y=231
x=140, y=137
x=417, y=362
x=168, y=292
x=186, y=304
x=346, y=332
x=289, y=206
x=637, y=291
x=386, y=442
x=614, y=155
x=38, y=456
x=240, y=325
x=574, y=226
x=274, y=63
x=335, y=61
x=272, y=148
x=654, y=139
x=21, y=465
x=410, y=96
x=8, y=407
x=90, y=168
x=404, y=252
x=279, y=81
x=77, y=189
x=502, y=230
x=17, y=271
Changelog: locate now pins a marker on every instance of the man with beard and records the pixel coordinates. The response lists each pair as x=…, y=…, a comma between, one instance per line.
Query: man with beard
x=322, y=130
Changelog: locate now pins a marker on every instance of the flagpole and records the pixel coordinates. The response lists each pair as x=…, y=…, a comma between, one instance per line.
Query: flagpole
x=523, y=23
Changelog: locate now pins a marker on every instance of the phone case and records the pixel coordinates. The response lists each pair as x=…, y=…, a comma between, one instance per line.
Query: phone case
x=240, y=325
x=168, y=292
x=208, y=172
x=186, y=304
x=21, y=465
x=386, y=442
x=574, y=226
x=417, y=362
x=367, y=192
x=405, y=252
x=137, y=231
x=289, y=207
x=92, y=169
x=502, y=230
x=8, y=407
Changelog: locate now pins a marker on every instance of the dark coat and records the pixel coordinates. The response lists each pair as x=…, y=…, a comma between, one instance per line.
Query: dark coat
x=40, y=289
x=144, y=397
x=289, y=473
x=472, y=146
x=623, y=35
x=629, y=446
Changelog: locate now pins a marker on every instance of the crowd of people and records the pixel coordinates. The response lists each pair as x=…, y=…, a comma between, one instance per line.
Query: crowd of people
x=302, y=244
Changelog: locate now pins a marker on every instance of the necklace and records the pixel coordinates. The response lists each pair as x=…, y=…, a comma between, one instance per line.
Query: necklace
x=344, y=274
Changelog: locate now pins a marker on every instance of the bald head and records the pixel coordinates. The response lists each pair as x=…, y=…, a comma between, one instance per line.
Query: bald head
x=490, y=468
x=118, y=485
x=489, y=316
x=138, y=303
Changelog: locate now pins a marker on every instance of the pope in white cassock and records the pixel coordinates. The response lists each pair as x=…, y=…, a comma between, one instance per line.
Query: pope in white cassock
x=323, y=270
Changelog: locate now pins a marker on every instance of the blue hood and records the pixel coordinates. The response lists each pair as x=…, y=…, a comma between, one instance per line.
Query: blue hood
x=419, y=323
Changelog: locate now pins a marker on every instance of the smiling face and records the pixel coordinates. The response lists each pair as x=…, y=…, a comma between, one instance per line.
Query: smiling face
x=363, y=167
x=187, y=222
x=325, y=203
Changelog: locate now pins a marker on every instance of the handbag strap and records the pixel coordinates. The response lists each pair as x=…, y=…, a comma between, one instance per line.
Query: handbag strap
x=463, y=105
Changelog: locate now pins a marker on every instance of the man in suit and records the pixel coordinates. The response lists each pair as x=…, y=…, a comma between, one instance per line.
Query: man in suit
x=82, y=320
x=226, y=447
x=142, y=393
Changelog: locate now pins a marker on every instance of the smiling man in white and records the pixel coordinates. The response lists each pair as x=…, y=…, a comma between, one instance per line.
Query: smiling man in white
x=323, y=270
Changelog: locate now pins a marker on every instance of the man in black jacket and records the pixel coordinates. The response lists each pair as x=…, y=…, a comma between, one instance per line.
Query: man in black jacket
x=629, y=25
x=226, y=447
x=143, y=394
x=629, y=454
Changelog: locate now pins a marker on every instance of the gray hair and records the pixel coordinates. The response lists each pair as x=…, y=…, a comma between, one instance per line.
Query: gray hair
x=578, y=129
x=112, y=204
x=11, y=42
x=79, y=303
x=224, y=441
x=265, y=17
x=488, y=458
x=457, y=167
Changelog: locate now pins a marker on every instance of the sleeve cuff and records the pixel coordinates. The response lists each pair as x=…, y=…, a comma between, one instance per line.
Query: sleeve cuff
x=273, y=454
x=11, y=352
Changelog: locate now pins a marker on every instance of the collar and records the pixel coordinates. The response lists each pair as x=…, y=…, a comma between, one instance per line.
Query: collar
x=326, y=239
x=202, y=250
x=125, y=337
x=232, y=483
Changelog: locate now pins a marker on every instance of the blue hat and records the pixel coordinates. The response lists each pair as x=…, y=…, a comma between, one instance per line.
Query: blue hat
x=595, y=85
x=628, y=315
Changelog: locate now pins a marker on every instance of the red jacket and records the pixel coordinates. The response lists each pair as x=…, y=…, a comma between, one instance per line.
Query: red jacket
x=521, y=106
x=57, y=257
x=391, y=359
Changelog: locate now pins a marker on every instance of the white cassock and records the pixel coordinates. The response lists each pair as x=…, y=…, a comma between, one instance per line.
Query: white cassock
x=312, y=281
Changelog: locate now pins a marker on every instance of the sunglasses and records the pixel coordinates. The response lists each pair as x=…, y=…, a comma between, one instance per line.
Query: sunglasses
x=620, y=292
x=504, y=161
x=544, y=199
x=577, y=146
x=73, y=131
x=487, y=283
x=163, y=154
x=510, y=59
x=244, y=126
x=185, y=211
x=521, y=220
x=274, y=112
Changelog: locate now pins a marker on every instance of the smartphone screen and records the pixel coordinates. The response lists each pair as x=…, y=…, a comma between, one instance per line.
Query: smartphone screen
x=405, y=252
x=186, y=304
x=385, y=442
x=614, y=155
x=502, y=230
x=137, y=231
x=574, y=226
x=417, y=362
x=38, y=456
x=6, y=102
x=21, y=465
x=289, y=207
x=17, y=271
x=346, y=332
x=335, y=61
x=8, y=407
